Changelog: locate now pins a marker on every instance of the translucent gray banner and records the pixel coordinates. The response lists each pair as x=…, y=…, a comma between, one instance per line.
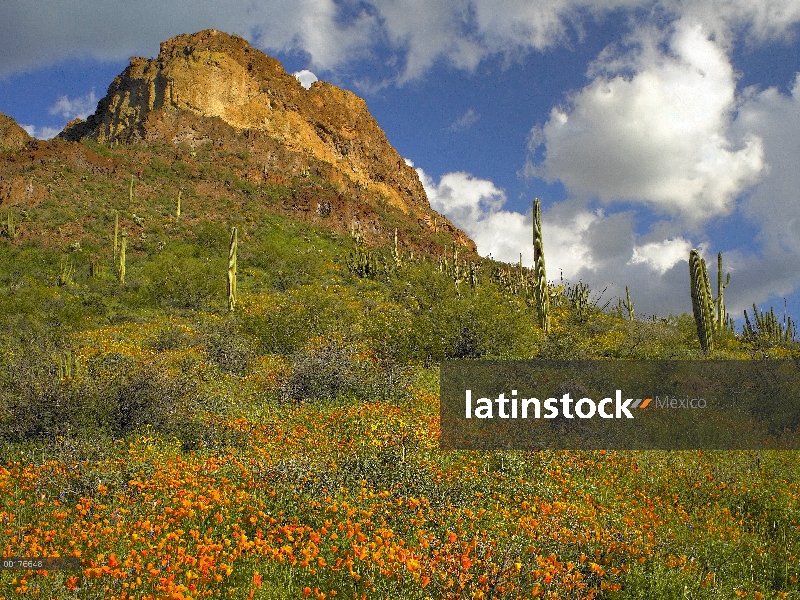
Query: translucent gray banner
x=619, y=405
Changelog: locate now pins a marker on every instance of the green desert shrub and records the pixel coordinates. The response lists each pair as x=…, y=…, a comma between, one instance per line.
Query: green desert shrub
x=212, y=236
x=279, y=330
x=289, y=320
x=228, y=347
x=35, y=402
x=112, y=396
x=171, y=337
x=429, y=320
x=333, y=370
x=322, y=373
x=147, y=396
x=284, y=258
x=180, y=277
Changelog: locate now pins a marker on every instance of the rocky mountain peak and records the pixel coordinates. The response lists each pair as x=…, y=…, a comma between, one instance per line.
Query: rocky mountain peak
x=214, y=75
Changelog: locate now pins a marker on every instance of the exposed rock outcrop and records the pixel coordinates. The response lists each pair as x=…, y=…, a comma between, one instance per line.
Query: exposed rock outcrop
x=213, y=74
x=12, y=136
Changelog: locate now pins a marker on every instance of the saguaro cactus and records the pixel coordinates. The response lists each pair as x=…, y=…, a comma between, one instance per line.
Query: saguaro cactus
x=398, y=260
x=95, y=267
x=66, y=271
x=473, y=275
x=722, y=316
x=702, y=304
x=116, y=234
x=68, y=365
x=628, y=304
x=121, y=268
x=11, y=229
x=540, y=290
x=232, y=270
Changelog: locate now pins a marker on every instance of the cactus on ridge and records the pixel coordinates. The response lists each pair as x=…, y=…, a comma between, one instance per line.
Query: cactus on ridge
x=232, y=270
x=702, y=304
x=541, y=290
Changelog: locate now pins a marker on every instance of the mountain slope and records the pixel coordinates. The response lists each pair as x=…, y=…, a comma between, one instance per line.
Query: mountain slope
x=211, y=87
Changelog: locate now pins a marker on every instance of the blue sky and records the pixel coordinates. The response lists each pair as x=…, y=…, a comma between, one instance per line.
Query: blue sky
x=646, y=128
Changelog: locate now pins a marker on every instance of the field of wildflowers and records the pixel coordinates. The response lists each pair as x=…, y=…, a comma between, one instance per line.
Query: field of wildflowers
x=290, y=449
x=354, y=499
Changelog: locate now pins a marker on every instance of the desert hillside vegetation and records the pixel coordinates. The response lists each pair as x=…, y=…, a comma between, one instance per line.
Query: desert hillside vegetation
x=195, y=418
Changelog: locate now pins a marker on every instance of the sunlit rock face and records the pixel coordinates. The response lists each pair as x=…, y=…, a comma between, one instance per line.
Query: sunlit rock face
x=213, y=74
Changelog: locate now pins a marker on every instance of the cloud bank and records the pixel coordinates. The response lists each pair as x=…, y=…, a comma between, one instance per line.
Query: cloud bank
x=580, y=244
x=415, y=34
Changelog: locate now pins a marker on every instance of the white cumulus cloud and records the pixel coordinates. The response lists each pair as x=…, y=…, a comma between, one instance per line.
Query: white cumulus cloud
x=775, y=203
x=305, y=77
x=663, y=255
x=463, y=197
x=80, y=107
x=42, y=133
x=465, y=121
x=654, y=127
x=315, y=27
x=475, y=206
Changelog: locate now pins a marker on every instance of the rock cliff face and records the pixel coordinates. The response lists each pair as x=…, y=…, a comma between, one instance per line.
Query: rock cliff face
x=12, y=136
x=215, y=75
